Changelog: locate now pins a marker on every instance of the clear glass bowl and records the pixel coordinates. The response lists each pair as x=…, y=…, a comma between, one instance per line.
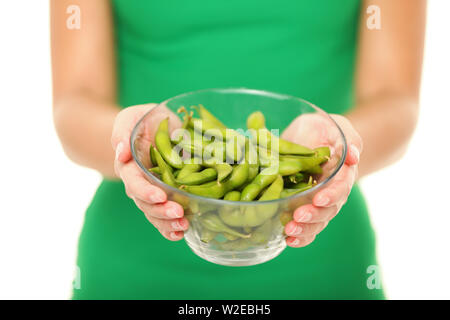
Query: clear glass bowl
x=316, y=128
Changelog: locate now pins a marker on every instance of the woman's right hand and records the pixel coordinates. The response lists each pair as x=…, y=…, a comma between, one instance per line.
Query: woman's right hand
x=166, y=216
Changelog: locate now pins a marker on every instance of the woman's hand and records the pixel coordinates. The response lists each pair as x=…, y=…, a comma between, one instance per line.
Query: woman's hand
x=166, y=216
x=311, y=219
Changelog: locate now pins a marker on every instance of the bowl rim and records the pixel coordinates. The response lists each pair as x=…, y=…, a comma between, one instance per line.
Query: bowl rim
x=242, y=90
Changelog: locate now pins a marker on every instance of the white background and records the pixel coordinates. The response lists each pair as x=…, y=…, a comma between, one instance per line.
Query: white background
x=43, y=195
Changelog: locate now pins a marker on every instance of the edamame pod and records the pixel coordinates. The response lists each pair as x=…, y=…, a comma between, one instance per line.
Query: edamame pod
x=256, y=121
x=208, y=190
x=290, y=192
x=236, y=245
x=251, y=157
x=261, y=181
x=166, y=172
x=189, y=168
x=285, y=217
x=152, y=156
x=208, y=116
x=229, y=236
x=232, y=196
x=196, y=178
x=264, y=137
x=164, y=145
x=323, y=152
x=252, y=216
x=288, y=167
x=315, y=170
x=156, y=170
x=274, y=190
x=223, y=171
x=297, y=177
x=213, y=223
x=262, y=233
x=207, y=235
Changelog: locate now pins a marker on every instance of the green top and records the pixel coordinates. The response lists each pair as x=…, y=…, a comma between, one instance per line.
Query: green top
x=164, y=48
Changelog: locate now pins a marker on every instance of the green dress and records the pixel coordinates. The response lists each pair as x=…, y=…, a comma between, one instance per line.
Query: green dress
x=299, y=47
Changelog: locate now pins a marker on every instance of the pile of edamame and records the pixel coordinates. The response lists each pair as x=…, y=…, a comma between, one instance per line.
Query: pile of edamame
x=208, y=159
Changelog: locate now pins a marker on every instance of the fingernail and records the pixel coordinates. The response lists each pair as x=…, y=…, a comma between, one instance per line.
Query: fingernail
x=156, y=198
x=119, y=150
x=294, y=229
x=322, y=200
x=355, y=151
x=176, y=225
x=297, y=230
x=304, y=217
x=173, y=235
x=296, y=242
x=173, y=213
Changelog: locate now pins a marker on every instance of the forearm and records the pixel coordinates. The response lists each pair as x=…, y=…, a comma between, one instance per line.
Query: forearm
x=386, y=124
x=84, y=125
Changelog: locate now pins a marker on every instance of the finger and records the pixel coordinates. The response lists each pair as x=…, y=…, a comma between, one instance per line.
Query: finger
x=296, y=229
x=339, y=189
x=353, y=155
x=167, y=226
x=298, y=242
x=168, y=210
x=173, y=235
x=123, y=152
x=309, y=213
x=123, y=125
x=137, y=187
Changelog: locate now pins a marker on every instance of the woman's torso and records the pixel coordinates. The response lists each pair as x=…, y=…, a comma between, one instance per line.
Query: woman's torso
x=302, y=48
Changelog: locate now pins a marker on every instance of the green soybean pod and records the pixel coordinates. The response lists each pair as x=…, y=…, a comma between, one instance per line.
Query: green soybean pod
x=213, y=223
x=208, y=190
x=289, y=167
x=223, y=171
x=288, y=147
x=256, y=121
x=207, y=235
x=236, y=245
x=196, y=178
x=274, y=190
x=262, y=233
x=262, y=180
x=209, y=129
x=156, y=170
x=251, y=157
x=298, y=177
x=232, y=196
x=314, y=170
x=166, y=172
x=238, y=177
x=285, y=217
x=233, y=150
x=208, y=116
x=218, y=190
x=229, y=236
x=189, y=168
x=186, y=118
x=152, y=156
x=323, y=152
x=164, y=145
x=290, y=192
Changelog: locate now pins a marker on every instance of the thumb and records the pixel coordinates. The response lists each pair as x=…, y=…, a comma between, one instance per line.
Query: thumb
x=123, y=151
x=123, y=126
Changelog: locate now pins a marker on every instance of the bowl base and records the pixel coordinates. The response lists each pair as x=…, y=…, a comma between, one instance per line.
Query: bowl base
x=249, y=257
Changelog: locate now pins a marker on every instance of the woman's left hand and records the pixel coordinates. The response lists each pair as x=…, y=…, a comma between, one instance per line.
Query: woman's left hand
x=311, y=219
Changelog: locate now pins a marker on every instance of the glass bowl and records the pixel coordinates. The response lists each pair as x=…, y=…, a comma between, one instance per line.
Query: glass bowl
x=264, y=239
